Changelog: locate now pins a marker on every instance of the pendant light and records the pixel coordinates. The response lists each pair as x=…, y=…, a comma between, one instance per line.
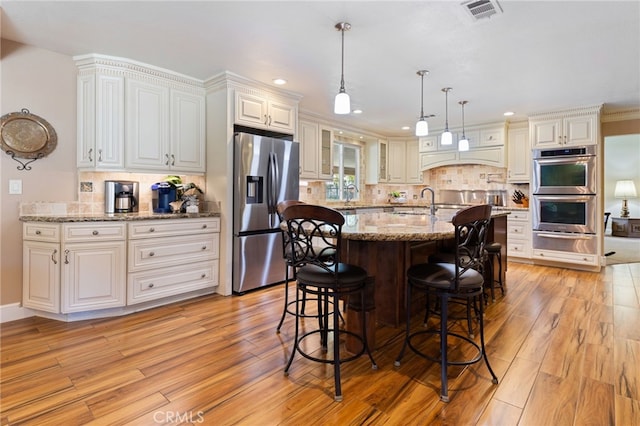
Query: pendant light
x=422, y=127
x=446, y=138
x=463, y=144
x=342, y=103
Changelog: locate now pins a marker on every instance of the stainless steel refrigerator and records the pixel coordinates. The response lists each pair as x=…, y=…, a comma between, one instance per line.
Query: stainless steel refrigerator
x=265, y=173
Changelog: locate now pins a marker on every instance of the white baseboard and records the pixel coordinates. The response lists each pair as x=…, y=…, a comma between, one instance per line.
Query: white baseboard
x=14, y=311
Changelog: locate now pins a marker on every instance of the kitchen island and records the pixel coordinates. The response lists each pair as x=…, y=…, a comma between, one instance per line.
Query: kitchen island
x=386, y=244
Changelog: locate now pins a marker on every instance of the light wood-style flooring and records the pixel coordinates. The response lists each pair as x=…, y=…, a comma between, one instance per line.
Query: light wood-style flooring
x=565, y=346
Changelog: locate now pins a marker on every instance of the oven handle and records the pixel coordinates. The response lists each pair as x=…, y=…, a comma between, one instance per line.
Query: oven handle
x=567, y=159
x=565, y=237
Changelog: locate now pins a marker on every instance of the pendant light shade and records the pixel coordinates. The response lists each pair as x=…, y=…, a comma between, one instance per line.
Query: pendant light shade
x=422, y=127
x=463, y=144
x=446, y=138
x=342, y=103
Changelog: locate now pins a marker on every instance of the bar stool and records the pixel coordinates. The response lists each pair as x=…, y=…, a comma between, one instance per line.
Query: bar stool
x=494, y=250
x=450, y=281
x=315, y=239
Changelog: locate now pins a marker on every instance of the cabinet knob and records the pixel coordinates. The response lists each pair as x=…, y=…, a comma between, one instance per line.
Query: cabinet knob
x=66, y=257
x=95, y=232
x=150, y=285
x=203, y=276
x=152, y=229
x=204, y=226
x=204, y=247
x=151, y=254
x=38, y=232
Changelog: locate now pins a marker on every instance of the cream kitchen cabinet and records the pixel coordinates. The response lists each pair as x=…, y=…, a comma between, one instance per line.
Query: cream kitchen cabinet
x=519, y=155
x=579, y=126
x=93, y=274
x=265, y=112
x=41, y=267
x=165, y=128
x=316, y=147
x=428, y=143
x=79, y=270
x=377, y=162
x=171, y=257
x=486, y=146
x=518, y=235
x=100, y=109
x=136, y=117
x=403, y=161
x=73, y=267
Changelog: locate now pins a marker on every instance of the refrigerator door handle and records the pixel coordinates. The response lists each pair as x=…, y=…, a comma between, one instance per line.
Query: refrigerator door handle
x=271, y=189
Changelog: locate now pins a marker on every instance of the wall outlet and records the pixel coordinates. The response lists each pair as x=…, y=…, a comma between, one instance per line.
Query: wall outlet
x=15, y=186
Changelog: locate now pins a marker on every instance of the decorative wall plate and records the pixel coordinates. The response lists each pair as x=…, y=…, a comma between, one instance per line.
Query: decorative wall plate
x=25, y=135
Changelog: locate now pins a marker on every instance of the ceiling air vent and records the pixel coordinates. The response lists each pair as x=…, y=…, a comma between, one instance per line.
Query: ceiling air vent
x=479, y=9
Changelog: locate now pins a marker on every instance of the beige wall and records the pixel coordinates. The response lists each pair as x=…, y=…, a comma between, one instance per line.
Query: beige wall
x=44, y=82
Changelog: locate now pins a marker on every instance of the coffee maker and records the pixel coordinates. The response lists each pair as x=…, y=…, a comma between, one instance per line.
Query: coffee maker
x=163, y=195
x=120, y=196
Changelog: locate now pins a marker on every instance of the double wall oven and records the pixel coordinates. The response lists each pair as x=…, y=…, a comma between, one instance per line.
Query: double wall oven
x=564, y=203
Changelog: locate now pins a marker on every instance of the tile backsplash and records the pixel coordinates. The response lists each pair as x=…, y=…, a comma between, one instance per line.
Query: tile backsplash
x=461, y=177
x=91, y=193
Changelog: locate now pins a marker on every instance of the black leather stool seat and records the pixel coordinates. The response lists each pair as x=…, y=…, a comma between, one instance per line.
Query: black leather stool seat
x=436, y=275
x=348, y=275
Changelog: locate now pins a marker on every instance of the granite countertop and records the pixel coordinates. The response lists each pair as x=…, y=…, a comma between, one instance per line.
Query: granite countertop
x=400, y=227
x=415, y=205
x=116, y=217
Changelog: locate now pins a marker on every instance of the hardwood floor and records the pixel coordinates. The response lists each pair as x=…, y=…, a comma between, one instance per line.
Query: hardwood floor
x=564, y=344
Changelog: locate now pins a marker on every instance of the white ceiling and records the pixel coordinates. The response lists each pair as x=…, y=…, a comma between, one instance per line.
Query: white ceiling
x=533, y=57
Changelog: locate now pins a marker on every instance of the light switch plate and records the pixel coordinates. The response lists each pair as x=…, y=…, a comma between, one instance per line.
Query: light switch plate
x=15, y=186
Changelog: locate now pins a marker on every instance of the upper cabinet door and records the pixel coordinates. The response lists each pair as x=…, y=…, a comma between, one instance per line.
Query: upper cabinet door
x=147, y=125
x=547, y=133
x=187, y=148
x=308, y=136
x=265, y=112
x=281, y=116
x=100, y=122
x=251, y=110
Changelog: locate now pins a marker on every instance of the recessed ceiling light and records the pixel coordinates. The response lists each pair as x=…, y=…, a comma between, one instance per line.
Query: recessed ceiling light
x=357, y=111
x=279, y=81
x=405, y=127
x=509, y=113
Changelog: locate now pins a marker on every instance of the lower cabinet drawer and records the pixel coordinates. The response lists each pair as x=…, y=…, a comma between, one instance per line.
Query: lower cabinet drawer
x=154, y=253
x=518, y=248
x=159, y=283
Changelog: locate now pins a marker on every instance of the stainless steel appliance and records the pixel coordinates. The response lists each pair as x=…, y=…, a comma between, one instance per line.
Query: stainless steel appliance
x=564, y=201
x=120, y=196
x=265, y=173
x=564, y=213
x=564, y=171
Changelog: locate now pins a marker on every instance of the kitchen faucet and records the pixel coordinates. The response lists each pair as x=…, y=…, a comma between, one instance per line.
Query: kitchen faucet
x=432, y=207
x=351, y=190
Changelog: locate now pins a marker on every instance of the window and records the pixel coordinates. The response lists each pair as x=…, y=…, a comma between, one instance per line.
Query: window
x=345, y=171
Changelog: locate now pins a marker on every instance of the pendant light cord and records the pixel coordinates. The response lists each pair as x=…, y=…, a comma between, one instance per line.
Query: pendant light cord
x=342, y=68
x=446, y=110
x=422, y=96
